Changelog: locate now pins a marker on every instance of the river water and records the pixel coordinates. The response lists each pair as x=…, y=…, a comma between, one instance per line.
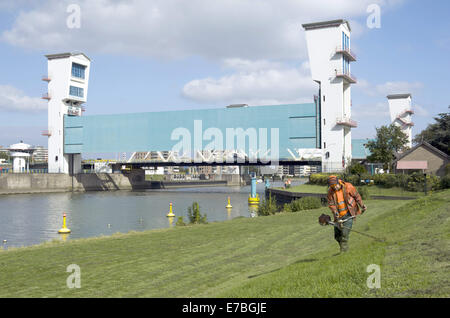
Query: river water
x=35, y=218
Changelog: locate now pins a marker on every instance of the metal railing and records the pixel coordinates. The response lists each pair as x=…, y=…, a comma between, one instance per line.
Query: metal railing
x=31, y=171
x=46, y=96
x=347, y=121
x=346, y=75
x=347, y=52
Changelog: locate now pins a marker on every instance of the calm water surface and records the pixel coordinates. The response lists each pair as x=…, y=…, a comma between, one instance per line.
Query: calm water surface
x=35, y=218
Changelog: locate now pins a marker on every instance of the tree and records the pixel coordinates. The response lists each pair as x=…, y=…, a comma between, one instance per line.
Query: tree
x=389, y=141
x=4, y=155
x=437, y=134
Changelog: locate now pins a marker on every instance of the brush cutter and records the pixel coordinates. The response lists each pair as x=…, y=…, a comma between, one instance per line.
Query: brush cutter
x=326, y=220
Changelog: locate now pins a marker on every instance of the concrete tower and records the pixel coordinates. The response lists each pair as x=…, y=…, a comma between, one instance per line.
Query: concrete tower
x=329, y=57
x=68, y=78
x=401, y=112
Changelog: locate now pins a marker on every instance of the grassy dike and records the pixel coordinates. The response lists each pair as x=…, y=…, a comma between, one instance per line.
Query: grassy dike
x=285, y=255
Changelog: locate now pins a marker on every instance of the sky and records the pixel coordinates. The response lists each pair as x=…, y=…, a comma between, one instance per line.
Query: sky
x=176, y=54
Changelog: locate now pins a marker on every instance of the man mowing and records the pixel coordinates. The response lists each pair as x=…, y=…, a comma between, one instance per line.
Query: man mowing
x=345, y=203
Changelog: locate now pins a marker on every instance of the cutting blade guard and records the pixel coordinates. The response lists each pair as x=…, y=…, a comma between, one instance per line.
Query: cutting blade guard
x=324, y=219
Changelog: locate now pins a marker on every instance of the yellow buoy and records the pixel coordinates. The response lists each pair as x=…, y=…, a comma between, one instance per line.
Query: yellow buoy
x=253, y=201
x=64, y=229
x=170, y=211
x=229, y=204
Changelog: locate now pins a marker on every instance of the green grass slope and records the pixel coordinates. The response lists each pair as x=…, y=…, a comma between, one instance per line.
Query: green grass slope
x=285, y=255
x=414, y=259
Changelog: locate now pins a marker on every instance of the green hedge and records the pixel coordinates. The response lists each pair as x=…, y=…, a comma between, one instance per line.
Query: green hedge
x=305, y=203
x=410, y=182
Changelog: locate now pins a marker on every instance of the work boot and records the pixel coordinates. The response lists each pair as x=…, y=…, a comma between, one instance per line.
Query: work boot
x=344, y=246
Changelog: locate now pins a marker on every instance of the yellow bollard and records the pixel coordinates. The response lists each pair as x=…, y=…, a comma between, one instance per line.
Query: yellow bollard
x=229, y=204
x=64, y=229
x=170, y=210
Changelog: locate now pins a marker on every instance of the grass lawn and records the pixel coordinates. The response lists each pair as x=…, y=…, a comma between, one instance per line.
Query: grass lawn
x=373, y=190
x=285, y=255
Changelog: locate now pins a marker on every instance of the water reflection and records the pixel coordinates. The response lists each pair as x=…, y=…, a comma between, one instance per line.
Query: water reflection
x=35, y=218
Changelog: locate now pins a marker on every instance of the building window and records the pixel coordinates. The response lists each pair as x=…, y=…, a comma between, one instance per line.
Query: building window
x=324, y=122
x=345, y=41
x=324, y=145
x=76, y=91
x=78, y=70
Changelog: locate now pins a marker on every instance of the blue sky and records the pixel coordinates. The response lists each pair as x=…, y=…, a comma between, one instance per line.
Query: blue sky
x=169, y=55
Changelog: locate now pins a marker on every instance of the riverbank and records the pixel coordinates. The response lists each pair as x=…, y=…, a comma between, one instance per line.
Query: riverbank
x=54, y=183
x=374, y=190
x=285, y=255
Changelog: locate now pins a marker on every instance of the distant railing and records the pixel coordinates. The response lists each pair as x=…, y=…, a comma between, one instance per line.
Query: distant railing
x=31, y=171
x=346, y=75
x=346, y=121
x=46, y=96
x=347, y=52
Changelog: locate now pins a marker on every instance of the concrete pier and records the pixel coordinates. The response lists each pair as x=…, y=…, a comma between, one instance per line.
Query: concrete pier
x=57, y=182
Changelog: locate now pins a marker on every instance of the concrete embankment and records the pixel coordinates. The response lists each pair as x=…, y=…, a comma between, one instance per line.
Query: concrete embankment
x=42, y=183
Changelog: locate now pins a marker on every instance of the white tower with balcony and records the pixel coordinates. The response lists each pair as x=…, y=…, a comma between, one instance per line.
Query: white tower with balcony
x=68, y=78
x=330, y=56
x=401, y=113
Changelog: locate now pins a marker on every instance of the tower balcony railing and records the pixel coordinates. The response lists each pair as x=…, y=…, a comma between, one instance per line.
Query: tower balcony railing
x=405, y=112
x=46, y=96
x=346, y=75
x=347, y=52
x=404, y=122
x=46, y=78
x=47, y=133
x=346, y=121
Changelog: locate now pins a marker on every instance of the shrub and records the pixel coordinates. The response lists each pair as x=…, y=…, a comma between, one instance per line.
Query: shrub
x=194, y=215
x=305, y=203
x=180, y=221
x=357, y=169
x=268, y=207
x=445, y=182
x=447, y=169
x=416, y=182
x=364, y=192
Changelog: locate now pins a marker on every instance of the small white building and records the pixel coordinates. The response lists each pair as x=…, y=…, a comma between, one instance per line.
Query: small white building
x=20, y=154
x=401, y=113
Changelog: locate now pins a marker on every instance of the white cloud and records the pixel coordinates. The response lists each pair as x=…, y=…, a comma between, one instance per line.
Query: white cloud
x=387, y=88
x=398, y=87
x=219, y=29
x=13, y=99
x=255, y=83
x=371, y=111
